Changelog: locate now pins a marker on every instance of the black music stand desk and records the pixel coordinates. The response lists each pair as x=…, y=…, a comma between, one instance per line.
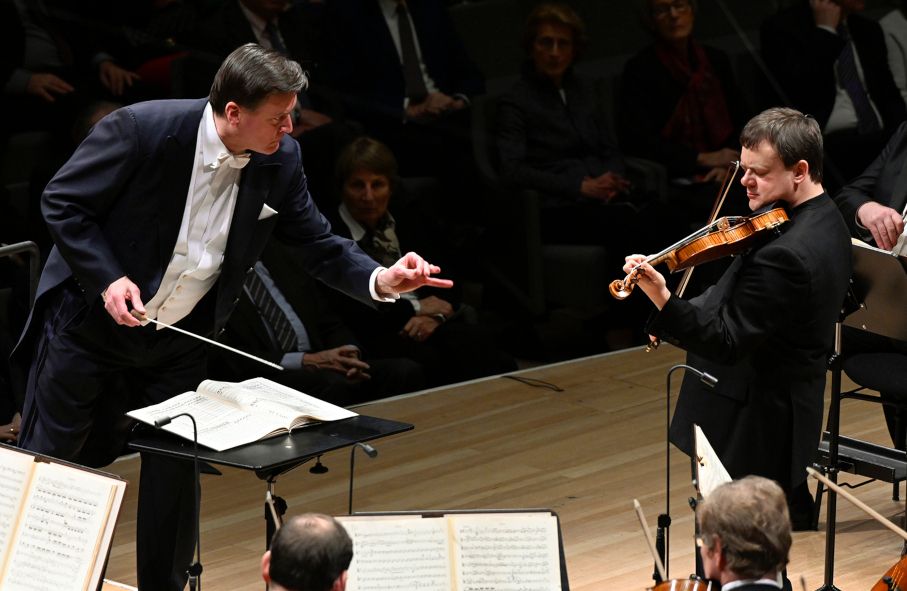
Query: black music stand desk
x=875, y=305
x=269, y=458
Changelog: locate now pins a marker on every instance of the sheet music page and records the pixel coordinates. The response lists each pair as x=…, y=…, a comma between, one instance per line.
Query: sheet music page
x=301, y=404
x=710, y=472
x=221, y=424
x=395, y=554
x=15, y=471
x=59, y=531
x=506, y=552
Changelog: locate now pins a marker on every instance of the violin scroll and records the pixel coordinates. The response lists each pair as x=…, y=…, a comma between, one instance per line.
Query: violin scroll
x=622, y=288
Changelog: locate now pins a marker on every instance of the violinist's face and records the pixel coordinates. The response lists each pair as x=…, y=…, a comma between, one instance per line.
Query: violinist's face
x=765, y=177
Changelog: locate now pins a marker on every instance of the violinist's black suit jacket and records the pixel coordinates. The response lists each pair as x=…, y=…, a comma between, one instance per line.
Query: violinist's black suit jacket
x=885, y=181
x=765, y=331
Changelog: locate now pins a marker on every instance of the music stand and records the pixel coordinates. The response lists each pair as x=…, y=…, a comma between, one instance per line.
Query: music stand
x=441, y=513
x=708, y=473
x=878, y=287
x=269, y=458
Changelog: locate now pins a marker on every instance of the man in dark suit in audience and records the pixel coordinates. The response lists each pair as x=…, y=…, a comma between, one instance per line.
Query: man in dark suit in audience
x=832, y=63
x=402, y=71
x=325, y=359
x=873, y=206
x=295, y=31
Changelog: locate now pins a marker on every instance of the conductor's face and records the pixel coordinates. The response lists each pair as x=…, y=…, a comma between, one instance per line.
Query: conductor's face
x=766, y=178
x=261, y=129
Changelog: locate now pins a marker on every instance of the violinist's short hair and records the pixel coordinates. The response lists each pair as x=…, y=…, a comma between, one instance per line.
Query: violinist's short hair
x=750, y=516
x=793, y=135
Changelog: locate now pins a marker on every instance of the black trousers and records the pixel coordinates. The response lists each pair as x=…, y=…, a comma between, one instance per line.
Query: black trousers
x=85, y=373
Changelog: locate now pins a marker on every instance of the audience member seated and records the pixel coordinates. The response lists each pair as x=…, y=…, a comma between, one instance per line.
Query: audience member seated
x=311, y=552
x=680, y=106
x=745, y=535
x=832, y=63
x=552, y=139
x=402, y=71
x=894, y=25
x=273, y=25
x=873, y=206
x=53, y=67
x=293, y=31
x=431, y=327
x=282, y=318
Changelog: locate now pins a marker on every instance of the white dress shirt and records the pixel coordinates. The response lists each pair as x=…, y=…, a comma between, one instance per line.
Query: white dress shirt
x=843, y=114
x=196, y=261
x=389, y=9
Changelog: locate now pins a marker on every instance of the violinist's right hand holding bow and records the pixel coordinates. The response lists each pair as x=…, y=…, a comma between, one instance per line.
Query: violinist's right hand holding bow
x=650, y=281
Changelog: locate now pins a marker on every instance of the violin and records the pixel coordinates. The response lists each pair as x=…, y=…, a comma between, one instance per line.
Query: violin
x=895, y=578
x=692, y=584
x=723, y=237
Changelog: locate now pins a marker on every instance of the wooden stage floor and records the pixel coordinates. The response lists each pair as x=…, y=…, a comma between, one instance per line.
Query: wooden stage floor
x=585, y=452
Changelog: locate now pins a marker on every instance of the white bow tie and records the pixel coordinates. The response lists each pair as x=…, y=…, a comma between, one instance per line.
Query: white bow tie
x=233, y=161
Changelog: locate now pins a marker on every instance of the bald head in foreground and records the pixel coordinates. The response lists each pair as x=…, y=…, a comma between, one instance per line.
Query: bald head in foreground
x=311, y=552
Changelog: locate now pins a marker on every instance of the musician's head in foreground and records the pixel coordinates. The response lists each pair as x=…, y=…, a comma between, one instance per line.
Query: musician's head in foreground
x=781, y=157
x=311, y=552
x=745, y=531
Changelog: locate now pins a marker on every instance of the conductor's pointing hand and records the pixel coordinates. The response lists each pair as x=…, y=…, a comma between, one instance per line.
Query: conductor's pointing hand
x=409, y=273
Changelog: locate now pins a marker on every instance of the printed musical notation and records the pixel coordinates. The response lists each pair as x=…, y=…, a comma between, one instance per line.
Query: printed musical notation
x=407, y=554
x=454, y=552
x=506, y=553
x=55, y=523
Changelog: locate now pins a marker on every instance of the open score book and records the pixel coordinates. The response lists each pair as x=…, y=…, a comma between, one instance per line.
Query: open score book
x=56, y=523
x=454, y=552
x=231, y=414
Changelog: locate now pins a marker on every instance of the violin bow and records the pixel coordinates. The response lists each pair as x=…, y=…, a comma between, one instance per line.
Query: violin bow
x=869, y=510
x=732, y=169
x=645, y=530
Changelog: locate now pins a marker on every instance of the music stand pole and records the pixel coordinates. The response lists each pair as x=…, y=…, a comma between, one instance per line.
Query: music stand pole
x=834, y=427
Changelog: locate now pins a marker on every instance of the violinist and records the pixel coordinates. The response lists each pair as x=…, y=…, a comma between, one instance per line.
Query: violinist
x=745, y=535
x=765, y=329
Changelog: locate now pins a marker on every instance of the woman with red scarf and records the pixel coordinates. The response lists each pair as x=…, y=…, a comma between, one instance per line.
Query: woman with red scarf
x=679, y=104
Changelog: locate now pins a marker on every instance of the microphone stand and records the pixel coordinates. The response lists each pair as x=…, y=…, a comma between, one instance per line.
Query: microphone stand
x=370, y=452
x=663, y=533
x=195, y=569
